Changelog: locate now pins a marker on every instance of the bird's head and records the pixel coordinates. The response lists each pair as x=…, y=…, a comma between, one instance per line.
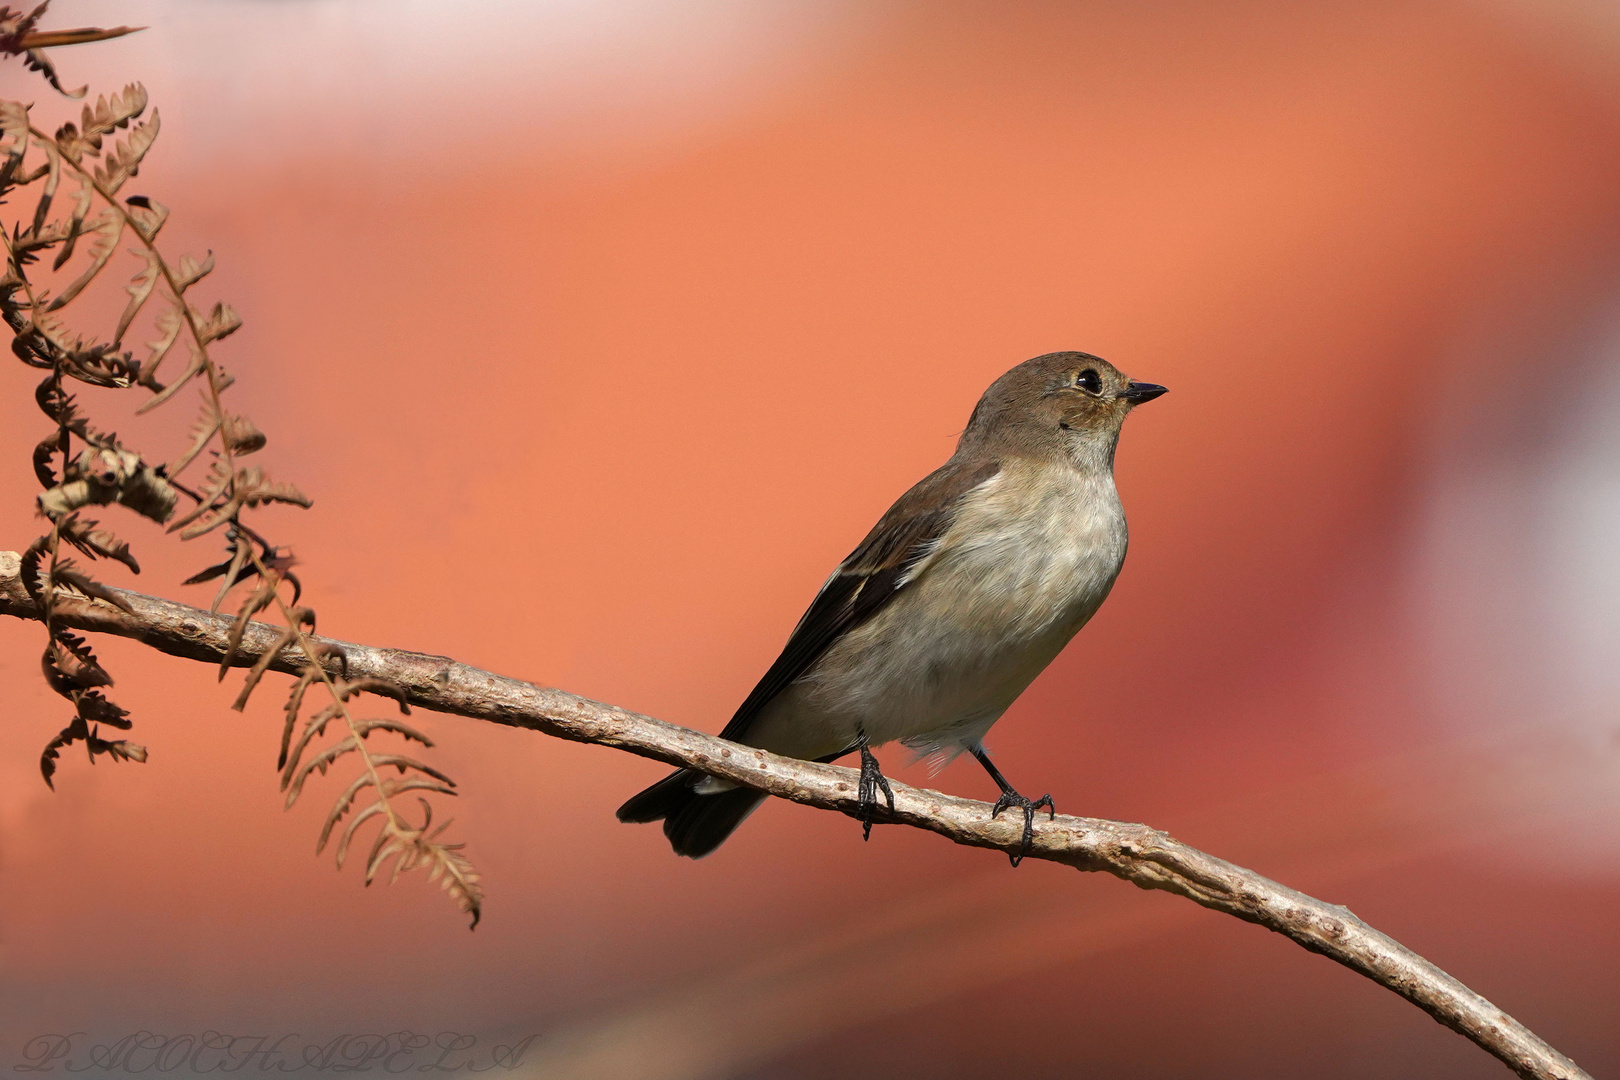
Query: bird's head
x=1069, y=404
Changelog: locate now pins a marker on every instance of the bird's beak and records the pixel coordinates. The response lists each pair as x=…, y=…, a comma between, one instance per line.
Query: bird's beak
x=1138, y=392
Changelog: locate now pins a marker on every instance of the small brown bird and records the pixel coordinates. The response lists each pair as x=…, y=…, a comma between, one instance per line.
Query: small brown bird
x=959, y=596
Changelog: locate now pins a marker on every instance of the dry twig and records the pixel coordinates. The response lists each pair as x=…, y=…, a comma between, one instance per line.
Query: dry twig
x=1146, y=857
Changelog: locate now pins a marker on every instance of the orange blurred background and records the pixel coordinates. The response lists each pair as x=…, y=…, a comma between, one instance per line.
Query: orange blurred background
x=599, y=333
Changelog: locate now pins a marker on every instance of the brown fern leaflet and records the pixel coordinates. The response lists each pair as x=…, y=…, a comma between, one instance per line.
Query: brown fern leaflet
x=78, y=465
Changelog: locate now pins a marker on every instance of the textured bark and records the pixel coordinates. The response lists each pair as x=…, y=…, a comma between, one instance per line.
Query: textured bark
x=1144, y=856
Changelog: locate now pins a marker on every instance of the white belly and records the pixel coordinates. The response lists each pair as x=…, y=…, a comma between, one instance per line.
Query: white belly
x=1027, y=562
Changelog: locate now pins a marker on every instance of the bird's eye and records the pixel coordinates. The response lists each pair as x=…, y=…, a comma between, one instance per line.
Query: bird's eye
x=1089, y=381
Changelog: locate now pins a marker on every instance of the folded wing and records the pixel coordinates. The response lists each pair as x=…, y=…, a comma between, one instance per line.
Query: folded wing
x=874, y=574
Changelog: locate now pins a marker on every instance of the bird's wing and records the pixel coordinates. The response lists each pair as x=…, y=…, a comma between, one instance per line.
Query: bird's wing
x=874, y=574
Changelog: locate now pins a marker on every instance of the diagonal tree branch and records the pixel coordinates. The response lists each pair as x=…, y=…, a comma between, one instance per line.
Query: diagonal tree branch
x=1146, y=857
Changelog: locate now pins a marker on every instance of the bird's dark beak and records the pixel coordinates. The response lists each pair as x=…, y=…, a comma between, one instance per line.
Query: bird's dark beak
x=1138, y=392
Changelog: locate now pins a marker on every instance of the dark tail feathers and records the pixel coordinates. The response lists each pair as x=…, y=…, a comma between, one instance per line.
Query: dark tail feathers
x=695, y=824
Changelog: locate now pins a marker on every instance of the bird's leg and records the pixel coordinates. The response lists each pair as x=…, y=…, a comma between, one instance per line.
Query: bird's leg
x=1009, y=797
x=872, y=779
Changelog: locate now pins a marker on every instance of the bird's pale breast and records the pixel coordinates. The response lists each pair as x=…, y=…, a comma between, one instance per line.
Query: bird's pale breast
x=1029, y=558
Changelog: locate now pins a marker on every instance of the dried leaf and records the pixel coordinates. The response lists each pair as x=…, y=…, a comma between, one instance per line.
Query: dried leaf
x=202, y=430
x=209, y=573
x=139, y=288
x=87, y=585
x=124, y=159
x=253, y=488
x=256, y=601
x=101, y=365
x=71, y=662
x=65, y=737
x=14, y=128
x=460, y=880
x=221, y=322
x=35, y=60
x=57, y=403
x=242, y=435
x=170, y=321
x=74, y=228
x=217, y=516
x=370, y=685
x=213, y=491
x=147, y=215
x=262, y=665
x=49, y=39
x=33, y=580
x=401, y=762
x=95, y=709
x=119, y=750
x=79, y=731
x=312, y=730
x=288, y=636
x=44, y=451
x=53, y=177
x=295, y=701
x=191, y=271
x=321, y=761
x=412, y=848
x=96, y=542
x=53, y=330
x=198, y=364
x=365, y=727
x=106, y=229
x=414, y=783
x=381, y=851
x=372, y=810
x=236, y=571
x=111, y=113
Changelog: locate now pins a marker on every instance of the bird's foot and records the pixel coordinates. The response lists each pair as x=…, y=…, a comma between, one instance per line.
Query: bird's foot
x=872, y=781
x=1011, y=798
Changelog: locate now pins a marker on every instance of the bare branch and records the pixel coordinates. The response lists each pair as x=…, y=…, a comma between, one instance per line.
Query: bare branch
x=1144, y=856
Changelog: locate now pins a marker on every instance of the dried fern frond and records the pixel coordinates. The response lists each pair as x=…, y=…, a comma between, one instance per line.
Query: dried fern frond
x=70, y=666
x=95, y=709
x=73, y=228
x=96, y=542
x=139, y=288
x=191, y=271
x=416, y=848
x=146, y=216
x=123, y=161
x=79, y=731
x=101, y=470
x=169, y=323
x=298, y=619
x=233, y=571
x=410, y=847
x=241, y=434
x=18, y=37
x=104, y=232
x=226, y=495
x=92, y=161
x=106, y=116
x=255, y=602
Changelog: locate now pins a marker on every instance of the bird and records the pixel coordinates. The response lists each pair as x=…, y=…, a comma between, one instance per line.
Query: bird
x=961, y=594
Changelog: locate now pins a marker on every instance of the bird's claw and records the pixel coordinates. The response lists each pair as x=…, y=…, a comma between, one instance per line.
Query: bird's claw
x=1012, y=798
x=872, y=781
